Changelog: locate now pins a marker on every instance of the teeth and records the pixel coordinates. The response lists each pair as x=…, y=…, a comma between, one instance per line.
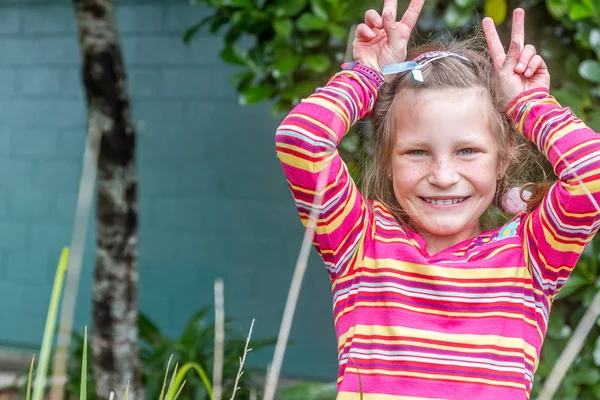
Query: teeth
x=445, y=202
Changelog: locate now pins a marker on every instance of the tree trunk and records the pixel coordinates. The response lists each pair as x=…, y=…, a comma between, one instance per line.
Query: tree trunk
x=115, y=310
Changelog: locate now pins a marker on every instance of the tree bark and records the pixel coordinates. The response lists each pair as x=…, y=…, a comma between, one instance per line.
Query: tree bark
x=114, y=309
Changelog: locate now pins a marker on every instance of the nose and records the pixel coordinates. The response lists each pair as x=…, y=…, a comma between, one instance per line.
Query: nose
x=443, y=174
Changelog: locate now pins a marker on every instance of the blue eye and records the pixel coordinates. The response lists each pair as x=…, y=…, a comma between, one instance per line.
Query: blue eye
x=467, y=151
x=417, y=152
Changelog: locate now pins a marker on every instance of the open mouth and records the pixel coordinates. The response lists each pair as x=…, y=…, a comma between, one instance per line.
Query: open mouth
x=444, y=202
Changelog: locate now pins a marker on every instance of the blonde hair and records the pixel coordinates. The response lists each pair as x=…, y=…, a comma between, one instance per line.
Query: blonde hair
x=447, y=73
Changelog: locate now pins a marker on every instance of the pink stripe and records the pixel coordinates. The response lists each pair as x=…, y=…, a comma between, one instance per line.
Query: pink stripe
x=428, y=388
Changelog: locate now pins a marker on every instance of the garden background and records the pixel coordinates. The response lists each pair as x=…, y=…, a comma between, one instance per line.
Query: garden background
x=206, y=100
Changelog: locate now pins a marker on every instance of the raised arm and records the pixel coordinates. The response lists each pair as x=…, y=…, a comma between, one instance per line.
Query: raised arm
x=557, y=231
x=308, y=137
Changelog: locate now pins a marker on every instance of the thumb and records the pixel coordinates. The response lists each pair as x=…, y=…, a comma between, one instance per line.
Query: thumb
x=513, y=55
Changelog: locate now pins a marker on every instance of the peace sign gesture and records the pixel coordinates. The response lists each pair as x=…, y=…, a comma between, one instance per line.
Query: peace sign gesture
x=382, y=41
x=521, y=68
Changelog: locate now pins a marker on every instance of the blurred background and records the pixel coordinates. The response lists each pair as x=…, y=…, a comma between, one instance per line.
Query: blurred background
x=208, y=82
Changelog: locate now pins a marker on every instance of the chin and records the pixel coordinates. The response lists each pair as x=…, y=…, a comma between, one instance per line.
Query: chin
x=444, y=228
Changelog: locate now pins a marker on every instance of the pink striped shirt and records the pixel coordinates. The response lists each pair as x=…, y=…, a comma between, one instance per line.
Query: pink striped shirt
x=467, y=322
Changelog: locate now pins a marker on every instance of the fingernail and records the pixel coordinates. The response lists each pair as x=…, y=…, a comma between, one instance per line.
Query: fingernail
x=520, y=66
x=528, y=72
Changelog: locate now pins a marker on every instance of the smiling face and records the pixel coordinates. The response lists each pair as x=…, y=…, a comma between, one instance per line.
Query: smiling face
x=445, y=163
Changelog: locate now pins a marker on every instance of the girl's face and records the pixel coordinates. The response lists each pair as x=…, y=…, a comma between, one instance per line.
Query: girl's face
x=445, y=164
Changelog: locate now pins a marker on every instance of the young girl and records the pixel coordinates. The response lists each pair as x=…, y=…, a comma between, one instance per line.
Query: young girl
x=426, y=305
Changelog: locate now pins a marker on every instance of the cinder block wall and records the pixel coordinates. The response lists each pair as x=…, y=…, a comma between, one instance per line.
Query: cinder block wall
x=213, y=201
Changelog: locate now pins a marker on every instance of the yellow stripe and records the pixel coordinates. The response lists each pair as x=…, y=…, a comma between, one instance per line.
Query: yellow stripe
x=335, y=107
x=441, y=282
x=551, y=236
x=461, y=338
x=467, y=274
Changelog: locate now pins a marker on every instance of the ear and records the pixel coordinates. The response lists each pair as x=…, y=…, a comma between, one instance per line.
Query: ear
x=504, y=162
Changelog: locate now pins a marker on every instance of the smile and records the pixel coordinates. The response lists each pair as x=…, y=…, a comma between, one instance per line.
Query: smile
x=444, y=202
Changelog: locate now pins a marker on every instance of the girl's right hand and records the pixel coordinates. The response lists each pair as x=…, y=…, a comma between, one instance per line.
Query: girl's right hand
x=383, y=41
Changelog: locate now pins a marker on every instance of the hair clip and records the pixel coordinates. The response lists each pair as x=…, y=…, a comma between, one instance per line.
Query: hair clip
x=419, y=62
x=513, y=203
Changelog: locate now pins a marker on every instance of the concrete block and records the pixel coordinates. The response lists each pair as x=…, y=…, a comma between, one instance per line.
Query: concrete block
x=139, y=18
x=28, y=143
x=40, y=81
x=57, y=176
x=180, y=17
x=10, y=20
x=15, y=174
x=48, y=19
x=14, y=235
x=32, y=205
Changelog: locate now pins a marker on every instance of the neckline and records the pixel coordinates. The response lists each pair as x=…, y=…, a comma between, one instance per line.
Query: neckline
x=447, y=252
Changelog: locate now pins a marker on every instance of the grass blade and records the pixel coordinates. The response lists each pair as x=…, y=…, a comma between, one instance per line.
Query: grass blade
x=179, y=391
x=177, y=382
x=162, y=392
x=28, y=395
x=83, y=388
x=42, y=370
x=172, y=388
x=126, y=396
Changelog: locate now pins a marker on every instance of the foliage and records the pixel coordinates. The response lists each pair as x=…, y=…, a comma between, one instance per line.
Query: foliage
x=192, y=350
x=296, y=45
x=196, y=344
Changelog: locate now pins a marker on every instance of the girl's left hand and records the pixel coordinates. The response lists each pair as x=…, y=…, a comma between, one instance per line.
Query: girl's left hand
x=521, y=68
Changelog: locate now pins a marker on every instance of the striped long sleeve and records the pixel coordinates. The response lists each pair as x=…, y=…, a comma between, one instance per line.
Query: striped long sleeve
x=568, y=217
x=306, y=143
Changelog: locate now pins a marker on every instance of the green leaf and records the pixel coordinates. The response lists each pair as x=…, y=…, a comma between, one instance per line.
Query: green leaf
x=595, y=40
x=318, y=8
x=309, y=391
x=286, y=65
x=456, y=17
x=338, y=31
x=464, y=3
x=255, y=94
x=318, y=62
x=590, y=70
x=191, y=31
x=312, y=41
x=249, y=4
x=589, y=376
x=557, y=8
x=573, y=284
x=496, y=9
x=310, y=22
x=580, y=11
x=288, y=8
x=283, y=27
x=234, y=55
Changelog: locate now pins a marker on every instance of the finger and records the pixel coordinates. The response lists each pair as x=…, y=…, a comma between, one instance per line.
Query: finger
x=391, y=30
x=390, y=6
x=410, y=17
x=364, y=33
x=526, y=55
x=493, y=42
x=518, y=27
x=373, y=19
x=512, y=55
x=535, y=64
